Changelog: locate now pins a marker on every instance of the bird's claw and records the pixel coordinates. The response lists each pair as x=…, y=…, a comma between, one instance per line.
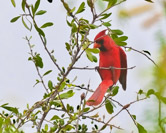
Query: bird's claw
x=96, y=68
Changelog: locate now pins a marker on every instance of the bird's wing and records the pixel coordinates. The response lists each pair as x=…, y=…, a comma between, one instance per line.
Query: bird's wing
x=123, y=73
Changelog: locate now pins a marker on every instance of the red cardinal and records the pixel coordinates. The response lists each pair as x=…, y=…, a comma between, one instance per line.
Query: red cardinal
x=110, y=55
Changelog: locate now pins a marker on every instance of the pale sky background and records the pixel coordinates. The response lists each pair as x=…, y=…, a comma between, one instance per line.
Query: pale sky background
x=18, y=75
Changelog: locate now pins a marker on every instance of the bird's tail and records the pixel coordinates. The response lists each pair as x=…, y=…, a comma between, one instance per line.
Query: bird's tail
x=98, y=95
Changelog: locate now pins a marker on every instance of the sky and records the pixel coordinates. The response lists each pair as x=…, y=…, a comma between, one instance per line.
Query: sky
x=18, y=75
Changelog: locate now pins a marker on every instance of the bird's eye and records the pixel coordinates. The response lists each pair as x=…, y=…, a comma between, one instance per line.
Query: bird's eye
x=100, y=41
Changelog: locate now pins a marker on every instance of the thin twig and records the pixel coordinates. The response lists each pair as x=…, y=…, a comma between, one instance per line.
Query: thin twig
x=100, y=121
x=142, y=54
x=37, y=69
x=78, y=117
x=43, y=42
x=112, y=118
x=127, y=105
x=35, y=106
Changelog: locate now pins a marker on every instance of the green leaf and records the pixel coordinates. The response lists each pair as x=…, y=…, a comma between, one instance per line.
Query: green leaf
x=72, y=10
x=93, y=50
x=121, y=43
x=69, y=127
x=68, y=23
x=96, y=126
x=4, y=104
x=62, y=86
x=90, y=4
x=89, y=55
x=67, y=95
x=107, y=24
x=106, y=15
x=110, y=3
x=81, y=8
x=36, y=6
x=134, y=116
x=109, y=107
x=38, y=61
x=96, y=115
x=67, y=46
x=94, y=58
x=66, y=6
x=13, y=3
x=23, y=5
x=150, y=92
x=40, y=31
x=113, y=36
x=103, y=127
x=149, y=1
x=86, y=109
x=120, y=39
x=25, y=24
x=46, y=73
x=74, y=28
x=158, y=95
x=14, y=19
x=47, y=25
x=11, y=109
x=56, y=103
x=61, y=122
x=117, y=32
x=55, y=117
x=32, y=9
x=92, y=26
x=41, y=12
x=147, y=52
x=37, y=81
x=141, y=129
x=46, y=127
x=140, y=92
x=115, y=90
x=1, y=122
x=50, y=85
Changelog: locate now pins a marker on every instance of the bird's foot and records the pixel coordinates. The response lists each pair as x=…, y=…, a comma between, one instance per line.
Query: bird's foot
x=97, y=68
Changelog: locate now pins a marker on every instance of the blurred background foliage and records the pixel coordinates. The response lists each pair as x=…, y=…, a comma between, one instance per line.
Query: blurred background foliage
x=155, y=115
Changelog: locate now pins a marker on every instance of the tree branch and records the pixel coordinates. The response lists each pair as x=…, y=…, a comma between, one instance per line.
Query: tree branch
x=37, y=69
x=142, y=54
x=105, y=68
x=41, y=121
x=43, y=42
x=100, y=121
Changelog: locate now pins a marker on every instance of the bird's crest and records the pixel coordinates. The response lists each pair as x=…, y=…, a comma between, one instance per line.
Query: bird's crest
x=100, y=34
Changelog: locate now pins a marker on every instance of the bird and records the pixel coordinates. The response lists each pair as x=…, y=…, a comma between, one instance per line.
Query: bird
x=111, y=56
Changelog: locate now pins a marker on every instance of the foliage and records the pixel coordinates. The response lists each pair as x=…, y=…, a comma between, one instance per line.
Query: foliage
x=11, y=120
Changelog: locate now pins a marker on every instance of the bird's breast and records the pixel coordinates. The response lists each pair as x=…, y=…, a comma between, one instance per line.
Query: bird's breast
x=109, y=60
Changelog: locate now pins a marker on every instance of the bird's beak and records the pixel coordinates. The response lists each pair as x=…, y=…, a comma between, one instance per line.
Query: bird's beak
x=96, y=45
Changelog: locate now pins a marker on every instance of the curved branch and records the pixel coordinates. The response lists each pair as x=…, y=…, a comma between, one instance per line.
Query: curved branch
x=142, y=54
x=100, y=121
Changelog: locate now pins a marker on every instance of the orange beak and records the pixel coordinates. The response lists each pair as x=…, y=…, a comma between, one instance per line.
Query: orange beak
x=96, y=45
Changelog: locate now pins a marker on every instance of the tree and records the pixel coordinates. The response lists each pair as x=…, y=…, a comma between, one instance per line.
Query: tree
x=69, y=117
